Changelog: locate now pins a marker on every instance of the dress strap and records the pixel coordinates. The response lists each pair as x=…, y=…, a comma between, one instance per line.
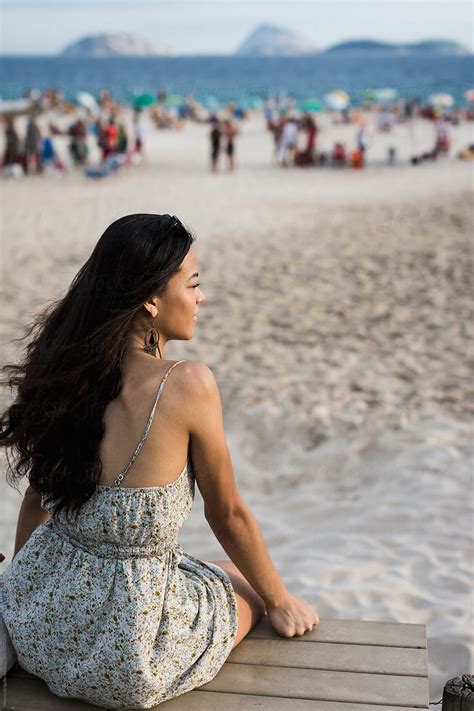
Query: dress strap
x=120, y=477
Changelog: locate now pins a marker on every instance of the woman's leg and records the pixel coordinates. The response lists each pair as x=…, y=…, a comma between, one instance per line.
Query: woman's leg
x=250, y=604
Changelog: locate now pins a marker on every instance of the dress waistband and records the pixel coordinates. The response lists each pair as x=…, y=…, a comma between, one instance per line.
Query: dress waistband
x=116, y=551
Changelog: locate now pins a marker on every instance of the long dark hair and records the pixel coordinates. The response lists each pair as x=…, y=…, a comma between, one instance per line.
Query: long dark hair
x=71, y=369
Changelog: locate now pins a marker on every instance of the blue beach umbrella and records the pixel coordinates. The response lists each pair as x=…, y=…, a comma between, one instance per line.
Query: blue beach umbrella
x=211, y=103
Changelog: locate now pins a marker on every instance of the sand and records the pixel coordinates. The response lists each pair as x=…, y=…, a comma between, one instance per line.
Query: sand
x=338, y=324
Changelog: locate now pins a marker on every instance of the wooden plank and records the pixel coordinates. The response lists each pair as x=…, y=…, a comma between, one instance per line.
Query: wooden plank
x=385, y=634
x=215, y=701
x=29, y=695
x=328, y=656
x=321, y=685
x=34, y=695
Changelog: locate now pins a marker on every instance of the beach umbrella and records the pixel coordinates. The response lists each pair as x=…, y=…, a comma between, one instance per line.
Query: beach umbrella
x=369, y=94
x=174, y=100
x=337, y=100
x=382, y=95
x=211, y=103
x=86, y=100
x=469, y=95
x=311, y=105
x=15, y=107
x=250, y=102
x=143, y=100
x=385, y=94
x=442, y=100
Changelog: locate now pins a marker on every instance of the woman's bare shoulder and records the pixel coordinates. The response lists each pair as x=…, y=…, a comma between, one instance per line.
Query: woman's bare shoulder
x=195, y=376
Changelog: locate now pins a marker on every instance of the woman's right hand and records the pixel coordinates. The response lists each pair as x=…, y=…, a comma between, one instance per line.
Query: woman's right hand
x=293, y=617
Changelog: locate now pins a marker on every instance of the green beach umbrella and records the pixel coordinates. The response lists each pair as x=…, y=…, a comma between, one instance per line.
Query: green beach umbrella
x=311, y=105
x=381, y=95
x=386, y=94
x=174, y=100
x=143, y=100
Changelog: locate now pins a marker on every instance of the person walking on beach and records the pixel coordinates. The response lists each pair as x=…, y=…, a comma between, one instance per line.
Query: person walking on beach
x=215, y=136
x=97, y=564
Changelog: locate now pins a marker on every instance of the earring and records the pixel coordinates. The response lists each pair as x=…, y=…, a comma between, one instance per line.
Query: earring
x=152, y=340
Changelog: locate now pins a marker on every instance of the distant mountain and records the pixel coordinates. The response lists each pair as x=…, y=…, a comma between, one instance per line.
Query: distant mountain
x=114, y=45
x=271, y=40
x=439, y=46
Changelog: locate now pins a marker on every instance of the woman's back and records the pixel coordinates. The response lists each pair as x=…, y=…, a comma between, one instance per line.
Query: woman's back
x=165, y=449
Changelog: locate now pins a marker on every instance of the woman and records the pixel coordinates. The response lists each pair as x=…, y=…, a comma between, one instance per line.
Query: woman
x=100, y=600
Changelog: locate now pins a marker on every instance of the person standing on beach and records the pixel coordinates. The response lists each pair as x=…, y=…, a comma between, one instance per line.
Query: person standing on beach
x=11, y=153
x=230, y=133
x=97, y=564
x=215, y=136
x=138, y=130
x=361, y=137
x=288, y=141
x=33, y=143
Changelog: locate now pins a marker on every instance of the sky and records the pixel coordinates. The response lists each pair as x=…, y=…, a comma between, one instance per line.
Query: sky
x=219, y=26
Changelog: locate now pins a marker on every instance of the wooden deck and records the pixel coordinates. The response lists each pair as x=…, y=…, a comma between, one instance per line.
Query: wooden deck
x=341, y=665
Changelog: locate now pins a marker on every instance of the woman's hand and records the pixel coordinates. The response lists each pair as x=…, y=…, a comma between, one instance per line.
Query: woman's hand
x=293, y=617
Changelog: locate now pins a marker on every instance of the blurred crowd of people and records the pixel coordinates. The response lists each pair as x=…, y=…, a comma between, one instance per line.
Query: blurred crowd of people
x=295, y=136
x=103, y=134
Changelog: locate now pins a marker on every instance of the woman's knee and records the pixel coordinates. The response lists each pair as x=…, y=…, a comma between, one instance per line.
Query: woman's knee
x=251, y=606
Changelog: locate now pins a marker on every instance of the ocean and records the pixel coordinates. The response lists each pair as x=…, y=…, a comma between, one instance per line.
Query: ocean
x=241, y=78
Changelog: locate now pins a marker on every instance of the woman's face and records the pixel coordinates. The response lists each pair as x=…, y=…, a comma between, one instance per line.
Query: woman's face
x=179, y=305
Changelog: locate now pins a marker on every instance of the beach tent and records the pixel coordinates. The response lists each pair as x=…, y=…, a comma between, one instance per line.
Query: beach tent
x=143, y=100
x=444, y=101
x=337, y=100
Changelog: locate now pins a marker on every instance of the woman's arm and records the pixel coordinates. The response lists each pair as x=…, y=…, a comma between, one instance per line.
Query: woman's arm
x=30, y=517
x=227, y=514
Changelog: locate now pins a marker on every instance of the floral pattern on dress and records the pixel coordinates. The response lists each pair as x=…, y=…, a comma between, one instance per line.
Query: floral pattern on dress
x=110, y=609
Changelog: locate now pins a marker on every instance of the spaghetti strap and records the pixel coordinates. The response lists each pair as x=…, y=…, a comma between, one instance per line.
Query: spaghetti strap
x=120, y=476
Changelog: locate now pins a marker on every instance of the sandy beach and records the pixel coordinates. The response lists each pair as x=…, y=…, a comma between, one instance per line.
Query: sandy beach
x=338, y=324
